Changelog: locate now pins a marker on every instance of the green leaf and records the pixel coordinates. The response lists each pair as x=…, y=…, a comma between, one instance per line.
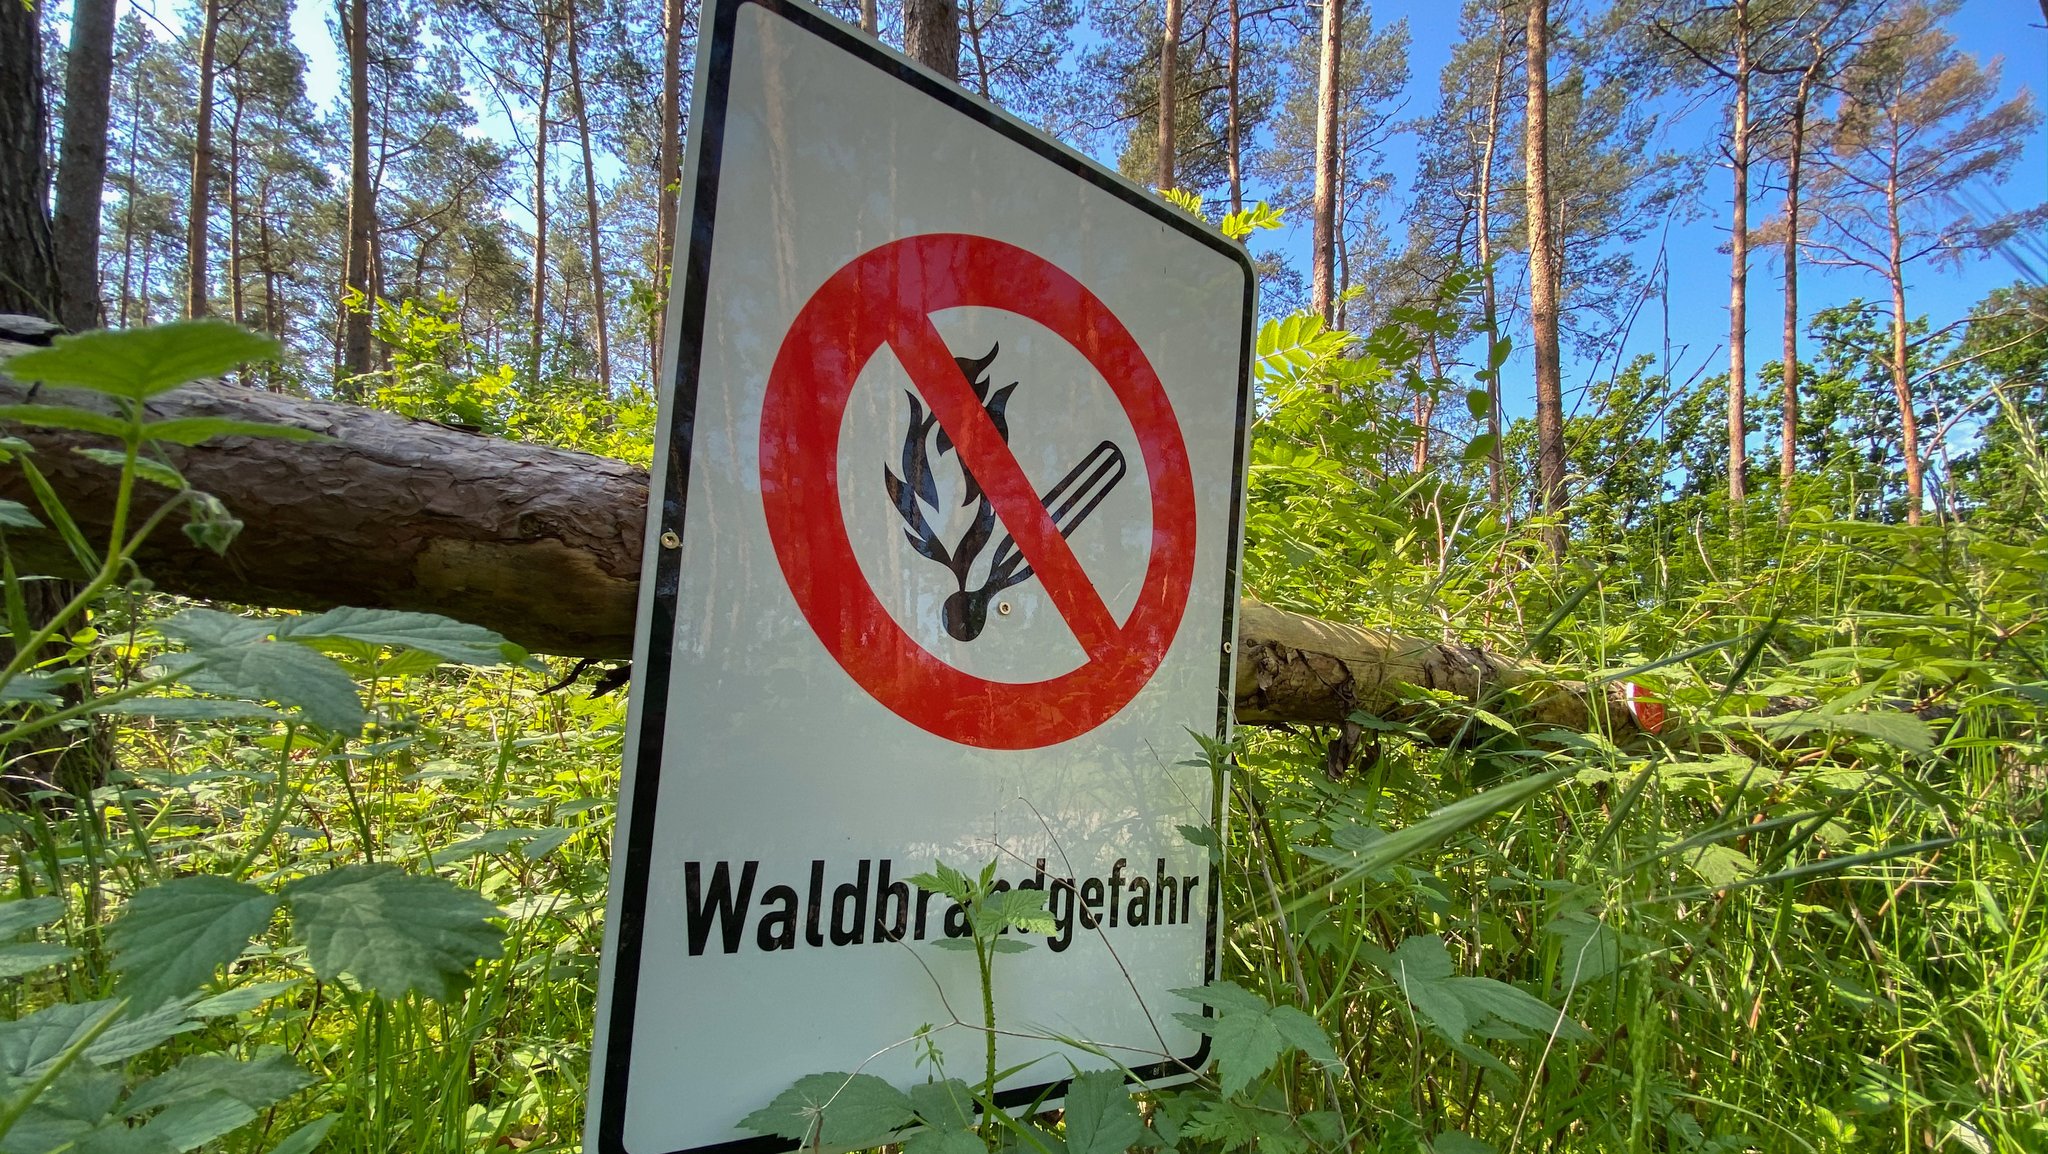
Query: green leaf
x=193, y=430
x=65, y=417
x=1479, y=403
x=261, y=1082
x=1101, y=1119
x=291, y=675
x=19, y=915
x=28, y=1046
x=241, y=999
x=26, y=958
x=1903, y=730
x=1458, y=1142
x=391, y=931
x=185, y=1126
x=444, y=637
x=155, y=472
x=172, y=936
x=1491, y=998
x=1452, y=819
x=853, y=1110
x=944, y=1104
x=1249, y=1035
x=189, y=709
x=142, y=362
x=1019, y=909
x=202, y=628
x=307, y=1138
x=31, y=689
x=15, y=515
x=945, y=1142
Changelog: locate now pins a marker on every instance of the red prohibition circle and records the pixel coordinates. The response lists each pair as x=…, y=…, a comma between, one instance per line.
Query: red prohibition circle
x=888, y=295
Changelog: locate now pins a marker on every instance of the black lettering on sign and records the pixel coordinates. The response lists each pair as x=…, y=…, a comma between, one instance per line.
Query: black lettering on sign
x=879, y=906
x=730, y=910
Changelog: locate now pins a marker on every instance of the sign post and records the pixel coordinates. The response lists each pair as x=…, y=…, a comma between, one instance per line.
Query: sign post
x=941, y=567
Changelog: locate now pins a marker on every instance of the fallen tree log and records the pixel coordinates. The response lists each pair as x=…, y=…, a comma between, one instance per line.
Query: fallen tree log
x=543, y=545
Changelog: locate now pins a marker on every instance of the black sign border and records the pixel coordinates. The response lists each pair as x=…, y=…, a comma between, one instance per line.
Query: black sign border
x=654, y=677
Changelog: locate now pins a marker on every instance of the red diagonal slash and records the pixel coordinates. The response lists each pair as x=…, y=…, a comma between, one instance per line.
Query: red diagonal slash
x=985, y=454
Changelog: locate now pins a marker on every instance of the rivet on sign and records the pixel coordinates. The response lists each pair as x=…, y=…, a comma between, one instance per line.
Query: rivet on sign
x=1003, y=608
x=1226, y=647
x=669, y=540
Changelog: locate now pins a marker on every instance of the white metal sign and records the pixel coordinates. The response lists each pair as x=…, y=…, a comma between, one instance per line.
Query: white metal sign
x=941, y=567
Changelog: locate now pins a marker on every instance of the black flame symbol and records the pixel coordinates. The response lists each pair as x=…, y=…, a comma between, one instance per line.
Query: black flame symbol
x=1069, y=502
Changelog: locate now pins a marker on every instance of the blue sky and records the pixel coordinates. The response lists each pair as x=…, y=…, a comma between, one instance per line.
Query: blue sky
x=1696, y=307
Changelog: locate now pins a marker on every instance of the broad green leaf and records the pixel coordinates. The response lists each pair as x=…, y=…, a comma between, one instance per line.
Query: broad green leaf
x=66, y=417
x=26, y=914
x=143, y=362
x=307, y=1138
x=1458, y=1142
x=202, y=628
x=953, y=1141
x=834, y=1110
x=172, y=936
x=29, y=1045
x=1241, y=1126
x=539, y=842
x=391, y=931
x=942, y=1105
x=1101, y=1118
x=1588, y=949
x=15, y=515
x=28, y=957
x=155, y=472
x=30, y=689
x=444, y=637
x=1020, y=909
x=268, y=1078
x=182, y=1126
x=1893, y=728
x=1420, y=966
x=189, y=709
x=193, y=430
x=1248, y=1035
x=291, y=675
x=1491, y=998
x=241, y=999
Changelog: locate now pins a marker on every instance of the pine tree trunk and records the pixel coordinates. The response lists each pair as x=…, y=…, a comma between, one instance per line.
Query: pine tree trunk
x=1489, y=290
x=1543, y=281
x=128, y=194
x=1169, y=79
x=1788, y=405
x=28, y=270
x=199, y=206
x=870, y=19
x=597, y=297
x=1233, y=109
x=1738, y=279
x=82, y=163
x=667, y=176
x=362, y=210
x=537, y=305
x=931, y=35
x=1323, y=271
x=237, y=300
x=1902, y=382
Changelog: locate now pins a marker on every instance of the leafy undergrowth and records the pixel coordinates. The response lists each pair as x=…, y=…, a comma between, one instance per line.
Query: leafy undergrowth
x=344, y=888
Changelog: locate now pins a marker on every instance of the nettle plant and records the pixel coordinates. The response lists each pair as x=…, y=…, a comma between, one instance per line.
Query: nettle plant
x=80, y=1073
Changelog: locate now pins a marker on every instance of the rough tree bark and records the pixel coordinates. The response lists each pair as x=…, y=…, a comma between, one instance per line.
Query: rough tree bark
x=667, y=165
x=1322, y=264
x=1169, y=72
x=199, y=206
x=1231, y=108
x=362, y=210
x=931, y=35
x=1738, y=276
x=82, y=163
x=1788, y=407
x=1550, y=457
x=543, y=545
x=28, y=279
x=594, y=235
